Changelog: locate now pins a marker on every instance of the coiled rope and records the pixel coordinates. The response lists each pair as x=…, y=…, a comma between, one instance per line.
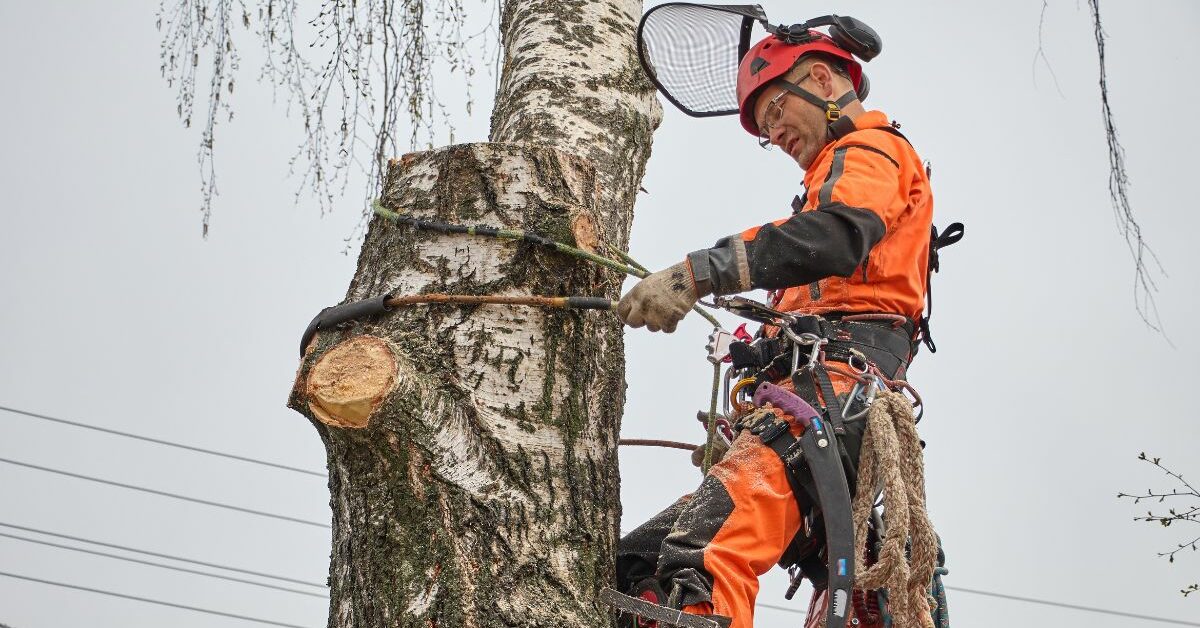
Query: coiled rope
x=891, y=455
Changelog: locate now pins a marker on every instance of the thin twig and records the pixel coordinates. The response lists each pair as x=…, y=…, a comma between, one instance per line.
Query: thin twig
x=1144, y=286
x=365, y=77
x=1040, y=53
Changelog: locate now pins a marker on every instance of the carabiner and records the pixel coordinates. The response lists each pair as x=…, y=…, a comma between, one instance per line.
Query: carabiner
x=856, y=392
x=805, y=338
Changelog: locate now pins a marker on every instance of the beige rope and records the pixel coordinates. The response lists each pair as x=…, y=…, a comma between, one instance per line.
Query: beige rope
x=891, y=455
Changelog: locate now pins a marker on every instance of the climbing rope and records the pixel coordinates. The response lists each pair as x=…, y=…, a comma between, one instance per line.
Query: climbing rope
x=626, y=267
x=653, y=442
x=711, y=439
x=503, y=234
x=573, y=303
x=891, y=455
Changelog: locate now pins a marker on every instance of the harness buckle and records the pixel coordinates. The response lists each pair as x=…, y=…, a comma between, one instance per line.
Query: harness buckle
x=769, y=430
x=805, y=339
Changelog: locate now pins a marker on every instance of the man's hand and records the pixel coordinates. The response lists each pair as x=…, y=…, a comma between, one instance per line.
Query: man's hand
x=660, y=300
x=719, y=451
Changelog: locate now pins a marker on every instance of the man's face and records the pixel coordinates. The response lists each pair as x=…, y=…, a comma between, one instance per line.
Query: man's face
x=787, y=121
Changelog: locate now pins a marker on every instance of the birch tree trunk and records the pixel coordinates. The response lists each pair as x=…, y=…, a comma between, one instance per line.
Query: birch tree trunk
x=472, y=451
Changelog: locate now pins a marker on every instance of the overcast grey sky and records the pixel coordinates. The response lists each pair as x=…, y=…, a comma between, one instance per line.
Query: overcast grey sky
x=1046, y=386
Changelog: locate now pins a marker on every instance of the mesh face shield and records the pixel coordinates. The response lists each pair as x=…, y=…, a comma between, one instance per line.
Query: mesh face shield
x=691, y=53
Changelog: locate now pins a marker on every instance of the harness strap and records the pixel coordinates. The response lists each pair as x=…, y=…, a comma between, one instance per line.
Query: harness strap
x=818, y=448
x=953, y=233
x=833, y=414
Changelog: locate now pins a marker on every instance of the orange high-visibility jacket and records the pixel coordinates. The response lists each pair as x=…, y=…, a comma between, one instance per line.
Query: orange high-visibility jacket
x=858, y=240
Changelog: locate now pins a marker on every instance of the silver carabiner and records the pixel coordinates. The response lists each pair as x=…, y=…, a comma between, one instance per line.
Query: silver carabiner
x=805, y=338
x=729, y=374
x=871, y=392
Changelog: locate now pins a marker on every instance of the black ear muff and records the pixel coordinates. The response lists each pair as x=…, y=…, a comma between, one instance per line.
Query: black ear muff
x=864, y=88
x=794, y=34
x=855, y=37
x=847, y=33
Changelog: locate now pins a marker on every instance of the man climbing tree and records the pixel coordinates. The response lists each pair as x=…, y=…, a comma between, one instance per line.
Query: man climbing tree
x=850, y=271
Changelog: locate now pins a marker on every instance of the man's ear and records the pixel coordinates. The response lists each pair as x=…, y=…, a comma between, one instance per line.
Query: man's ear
x=823, y=75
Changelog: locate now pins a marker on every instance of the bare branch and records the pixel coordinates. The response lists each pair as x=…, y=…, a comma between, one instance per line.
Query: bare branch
x=364, y=76
x=1146, y=263
x=1040, y=53
x=189, y=28
x=1172, y=515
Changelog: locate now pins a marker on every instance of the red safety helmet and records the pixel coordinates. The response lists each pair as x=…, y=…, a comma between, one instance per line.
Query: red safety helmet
x=772, y=58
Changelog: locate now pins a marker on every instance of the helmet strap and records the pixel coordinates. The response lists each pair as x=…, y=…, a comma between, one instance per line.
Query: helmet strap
x=832, y=108
x=842, y=125
x=838, y=125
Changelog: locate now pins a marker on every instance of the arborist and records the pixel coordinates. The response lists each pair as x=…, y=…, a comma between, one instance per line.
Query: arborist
x=852, y=262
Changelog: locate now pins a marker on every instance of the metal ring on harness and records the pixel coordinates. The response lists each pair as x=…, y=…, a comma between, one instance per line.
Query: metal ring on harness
x=872, y=391
x=804, y=338
x=857, y=355
x=739, y=407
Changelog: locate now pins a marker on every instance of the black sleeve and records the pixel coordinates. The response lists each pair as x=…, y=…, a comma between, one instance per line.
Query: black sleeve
x=832, y=240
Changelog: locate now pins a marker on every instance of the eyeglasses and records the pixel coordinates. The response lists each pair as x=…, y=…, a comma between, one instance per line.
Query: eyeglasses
x=774, y=114
x=771, y=117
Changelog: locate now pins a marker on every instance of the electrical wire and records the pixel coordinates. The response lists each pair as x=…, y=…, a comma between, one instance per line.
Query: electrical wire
x=151, y=601
x=1030, y=600
x=160, y=565
x=195, y=500
x=158, y=441
x=160, y=555
x=318, y=524
x=1077, y=607
x=785, y=609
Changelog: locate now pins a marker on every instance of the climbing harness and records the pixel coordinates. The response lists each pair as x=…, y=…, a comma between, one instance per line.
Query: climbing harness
x=868, y=425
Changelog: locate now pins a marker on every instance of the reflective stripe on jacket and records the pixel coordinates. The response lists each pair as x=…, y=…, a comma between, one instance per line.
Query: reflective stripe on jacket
x=859, y=240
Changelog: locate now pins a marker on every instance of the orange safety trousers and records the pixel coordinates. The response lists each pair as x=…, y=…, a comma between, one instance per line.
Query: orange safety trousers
x=747, y=505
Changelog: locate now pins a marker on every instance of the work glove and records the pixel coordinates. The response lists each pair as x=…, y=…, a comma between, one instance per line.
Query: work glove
x=660, y=300
x=719, y=451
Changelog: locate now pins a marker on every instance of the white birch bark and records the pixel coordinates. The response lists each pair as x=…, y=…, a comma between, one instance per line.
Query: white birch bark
x=472, y=451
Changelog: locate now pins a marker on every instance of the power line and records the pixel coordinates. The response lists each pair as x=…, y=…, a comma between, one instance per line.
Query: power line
x=776, y=607
x=251, y=511
x=322, y=525
x=1090, y=609
x=168, y=443
x=150, y=601
x=160, y=565
x=1030, y=600
x=265, y=575
x=159, y=555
